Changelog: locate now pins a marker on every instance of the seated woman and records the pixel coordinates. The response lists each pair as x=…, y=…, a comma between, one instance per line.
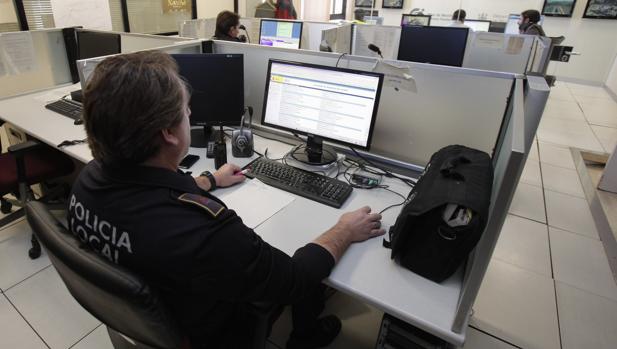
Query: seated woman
x=228, y=27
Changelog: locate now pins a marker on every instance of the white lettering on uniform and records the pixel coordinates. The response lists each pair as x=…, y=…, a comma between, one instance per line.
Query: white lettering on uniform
x=81, y=233
x=72, y=202
x=103, y=234
x=79, y=211
x=125, y=241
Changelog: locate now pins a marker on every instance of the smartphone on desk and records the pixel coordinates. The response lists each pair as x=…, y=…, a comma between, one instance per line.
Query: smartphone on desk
x=188, y=161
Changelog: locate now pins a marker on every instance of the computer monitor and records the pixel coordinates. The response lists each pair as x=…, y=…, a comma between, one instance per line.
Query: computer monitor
x=217, y=92
x=96, y=44
x=512, y=25
x=497, y=27
x=435, y=45
x=280, y=33
x=478, y=25
x=408, y=19
x=373, y=20
x=323, y=103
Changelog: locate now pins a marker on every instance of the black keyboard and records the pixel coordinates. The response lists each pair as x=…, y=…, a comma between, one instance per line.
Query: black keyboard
x=67, y=108
x=313, y=186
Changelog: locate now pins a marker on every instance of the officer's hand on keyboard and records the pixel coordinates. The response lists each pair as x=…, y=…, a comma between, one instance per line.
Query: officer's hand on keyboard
x=228, y=175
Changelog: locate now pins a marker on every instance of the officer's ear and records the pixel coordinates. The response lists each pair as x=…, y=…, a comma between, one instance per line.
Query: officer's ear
x=170, y=136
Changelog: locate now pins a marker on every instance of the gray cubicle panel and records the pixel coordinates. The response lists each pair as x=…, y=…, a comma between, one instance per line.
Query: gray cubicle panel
x=252, y=28
x=312, y=34
x=498, y=52
x=508, y=162
x=32, y=60
x=386, y=37
x=202, y=28
x=132, y=42
x=338, y=38
x=439, y=106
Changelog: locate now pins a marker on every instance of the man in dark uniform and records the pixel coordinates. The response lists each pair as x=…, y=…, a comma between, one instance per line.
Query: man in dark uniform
x=135, y=208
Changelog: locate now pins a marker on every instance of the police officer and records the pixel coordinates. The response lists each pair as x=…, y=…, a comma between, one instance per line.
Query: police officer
x=133, y=206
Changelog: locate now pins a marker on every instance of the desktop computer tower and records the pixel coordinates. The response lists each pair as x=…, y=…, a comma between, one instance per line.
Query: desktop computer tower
x=397, y=334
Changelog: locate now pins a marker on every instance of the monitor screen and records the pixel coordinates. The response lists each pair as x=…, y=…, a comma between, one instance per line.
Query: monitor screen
x=478, y=25
x=280, y=33
x=334, y=103
x=435, y=45
x=96, y=44
x=216, y=85
x=512, y=25
x=415, y=20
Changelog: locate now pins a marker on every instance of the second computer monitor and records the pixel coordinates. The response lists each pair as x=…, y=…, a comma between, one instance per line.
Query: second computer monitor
x=280, y=33
x=408, y=19
x=478, y=25
x=332, y=103
x=96, y=44
x=217, y=90
x=435, y=45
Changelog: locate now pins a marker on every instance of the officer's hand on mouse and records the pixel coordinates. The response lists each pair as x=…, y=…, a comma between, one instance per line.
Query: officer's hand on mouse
x=228, y=175
x=362, y=224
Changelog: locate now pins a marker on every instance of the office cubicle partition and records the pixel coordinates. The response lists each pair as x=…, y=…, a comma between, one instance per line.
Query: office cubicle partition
x=32, y=60
x=386, y=37
x=412, y=111
x=499, y=52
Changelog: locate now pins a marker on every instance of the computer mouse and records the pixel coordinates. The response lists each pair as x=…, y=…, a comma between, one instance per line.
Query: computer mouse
x=78, y=122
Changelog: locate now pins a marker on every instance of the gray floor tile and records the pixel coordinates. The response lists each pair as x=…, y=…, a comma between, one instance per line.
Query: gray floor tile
x=528, y=202
x=586, y=320
x=556, y=155
x=14, y=331
x=581, y=262
x=480, y=340
x=570, y=213
x=48, y=306
x=97, y=339
x=15, y=265
x=562, y=180
x=524, y=243
x=518, y=306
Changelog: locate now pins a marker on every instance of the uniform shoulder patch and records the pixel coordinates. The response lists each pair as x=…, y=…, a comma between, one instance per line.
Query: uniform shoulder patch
x=211, y=206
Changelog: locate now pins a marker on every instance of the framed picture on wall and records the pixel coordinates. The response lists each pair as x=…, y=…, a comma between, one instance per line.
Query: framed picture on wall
x=392, y=4
x=365, y=3
x=558, y=8
x=601, y=9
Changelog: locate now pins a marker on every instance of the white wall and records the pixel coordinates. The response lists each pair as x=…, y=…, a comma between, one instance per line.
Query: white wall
x=595, y=39
x=211, y=8
x=611, y=81
x=316, y=10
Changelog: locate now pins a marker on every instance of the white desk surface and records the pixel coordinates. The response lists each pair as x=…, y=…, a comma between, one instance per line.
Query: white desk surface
x=365, y=271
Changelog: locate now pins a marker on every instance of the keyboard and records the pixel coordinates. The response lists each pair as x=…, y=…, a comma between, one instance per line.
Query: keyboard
x=67, y=108
x=313, y=186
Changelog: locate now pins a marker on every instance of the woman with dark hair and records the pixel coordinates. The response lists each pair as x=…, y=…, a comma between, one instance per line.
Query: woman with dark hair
x=528, y=23
x=228, y=27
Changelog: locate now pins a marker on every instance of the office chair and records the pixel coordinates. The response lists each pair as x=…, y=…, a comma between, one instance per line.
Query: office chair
x=132, y=311
x=26, y=164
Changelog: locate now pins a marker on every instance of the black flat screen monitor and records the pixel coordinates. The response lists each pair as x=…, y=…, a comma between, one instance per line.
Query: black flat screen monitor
x=322, y=102
x=217, y=91
x=96, y=44
x=435, y=45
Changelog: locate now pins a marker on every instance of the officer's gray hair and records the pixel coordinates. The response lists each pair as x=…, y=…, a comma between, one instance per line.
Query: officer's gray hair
x=128, y=101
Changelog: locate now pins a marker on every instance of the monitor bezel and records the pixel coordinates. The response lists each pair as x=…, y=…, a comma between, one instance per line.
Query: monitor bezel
x=317, y=66
x=214, y=123
x=280, y=20
x=410, y=15
x=412, y=27
x=480, y=20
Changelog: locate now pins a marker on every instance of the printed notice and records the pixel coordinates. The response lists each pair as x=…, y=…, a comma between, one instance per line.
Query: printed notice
x=515, y=45
x=17, y=52
x=489, y=40
x=397, y=76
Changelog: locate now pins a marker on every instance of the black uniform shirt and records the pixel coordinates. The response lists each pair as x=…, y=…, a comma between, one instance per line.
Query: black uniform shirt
x=200, y=256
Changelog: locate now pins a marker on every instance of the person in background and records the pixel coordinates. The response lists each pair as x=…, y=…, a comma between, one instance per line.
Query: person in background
x=458, y=19
x=285, y=10
x=228, y=27
x=528, y=23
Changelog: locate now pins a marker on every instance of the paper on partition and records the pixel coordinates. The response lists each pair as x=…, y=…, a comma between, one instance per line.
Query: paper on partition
x=397, y=76
x=386, y=38
x=515, y=45
x=17, y=52
x=89, y=14
x=489, y=40
x=189, y=29
x=255, y=201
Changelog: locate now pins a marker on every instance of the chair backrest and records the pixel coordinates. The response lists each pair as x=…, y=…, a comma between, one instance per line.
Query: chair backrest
x=114, y=295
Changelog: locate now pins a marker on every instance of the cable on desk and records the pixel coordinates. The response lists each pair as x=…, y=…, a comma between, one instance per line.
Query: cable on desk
x=386, y=173
x=73, y=142
x=339, y=59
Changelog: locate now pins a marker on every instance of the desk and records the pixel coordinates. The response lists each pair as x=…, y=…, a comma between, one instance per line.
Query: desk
x=365, y=272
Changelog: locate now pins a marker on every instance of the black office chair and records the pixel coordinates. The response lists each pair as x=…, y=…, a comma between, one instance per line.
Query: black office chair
x=132, y=311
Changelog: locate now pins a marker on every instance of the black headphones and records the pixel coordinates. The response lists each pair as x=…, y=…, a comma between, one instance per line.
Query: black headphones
x=242, y=139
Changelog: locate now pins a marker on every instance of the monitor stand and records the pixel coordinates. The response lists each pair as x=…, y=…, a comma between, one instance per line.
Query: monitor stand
x=316, y=153
x=200, y=136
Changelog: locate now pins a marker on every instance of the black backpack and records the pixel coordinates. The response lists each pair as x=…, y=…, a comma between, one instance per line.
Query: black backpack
x=421, y=240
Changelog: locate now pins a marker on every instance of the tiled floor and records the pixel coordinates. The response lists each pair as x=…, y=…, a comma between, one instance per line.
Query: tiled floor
x=549, y=284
